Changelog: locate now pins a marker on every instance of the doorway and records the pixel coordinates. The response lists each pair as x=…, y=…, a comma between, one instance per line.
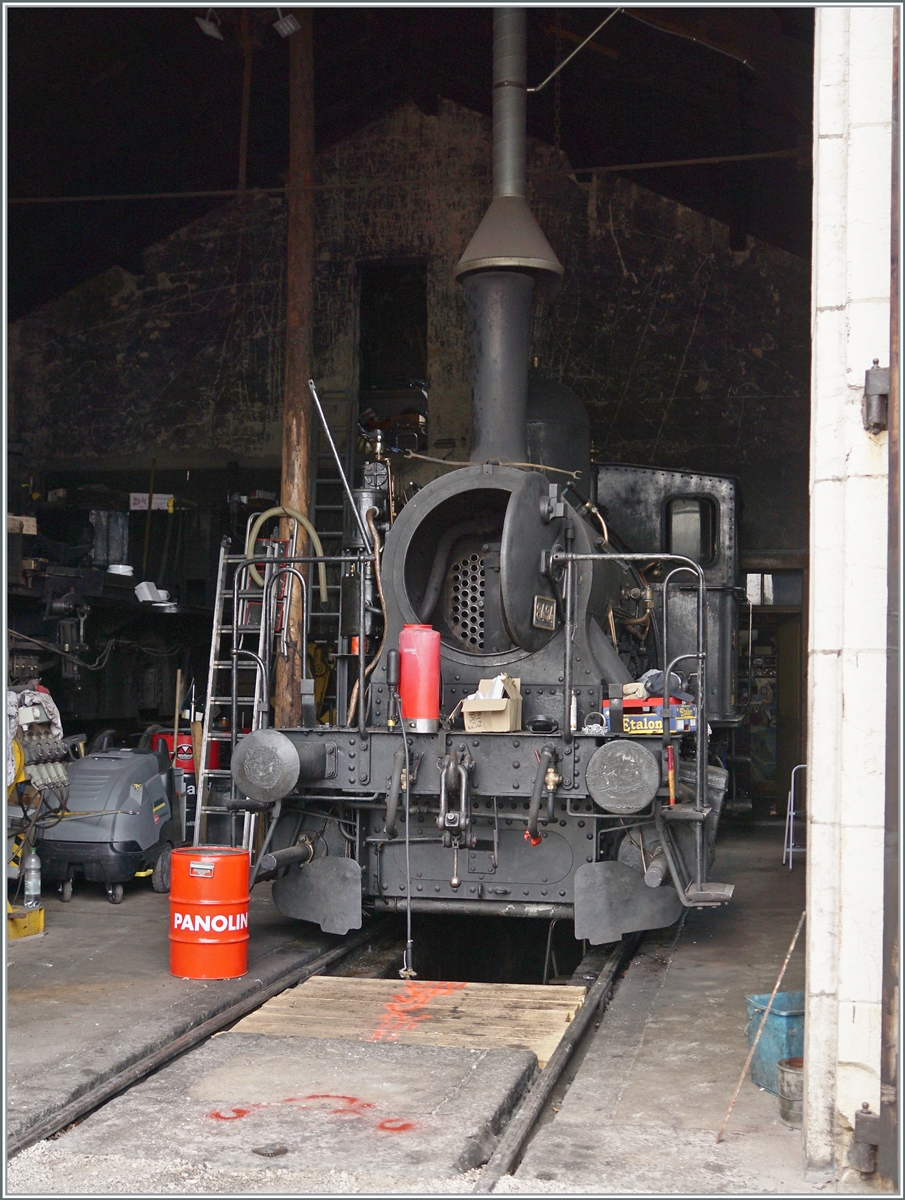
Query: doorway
x=770, y=741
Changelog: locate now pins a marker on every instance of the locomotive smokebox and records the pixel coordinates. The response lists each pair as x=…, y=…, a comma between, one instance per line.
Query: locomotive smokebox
x=507, y=254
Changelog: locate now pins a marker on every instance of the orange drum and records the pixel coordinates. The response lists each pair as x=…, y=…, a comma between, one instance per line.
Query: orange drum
x=209, y=912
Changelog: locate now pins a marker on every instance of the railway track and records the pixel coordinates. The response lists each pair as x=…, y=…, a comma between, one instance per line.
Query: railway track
x=92, y=1099
x=517, y=1131
x=521, y=1125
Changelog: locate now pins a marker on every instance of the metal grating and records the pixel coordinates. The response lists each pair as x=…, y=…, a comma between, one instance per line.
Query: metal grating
x=465, y=601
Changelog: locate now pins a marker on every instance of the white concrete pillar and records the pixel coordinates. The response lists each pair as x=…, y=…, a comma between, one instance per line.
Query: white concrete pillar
x=847, y=646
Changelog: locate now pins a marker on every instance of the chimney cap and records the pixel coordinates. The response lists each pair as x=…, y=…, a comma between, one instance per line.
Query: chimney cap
x=509, y=236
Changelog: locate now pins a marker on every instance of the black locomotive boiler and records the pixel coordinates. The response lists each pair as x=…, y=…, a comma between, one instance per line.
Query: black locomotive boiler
x=604, y=606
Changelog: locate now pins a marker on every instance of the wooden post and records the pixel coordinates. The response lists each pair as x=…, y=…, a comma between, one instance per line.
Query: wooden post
x=296, y=482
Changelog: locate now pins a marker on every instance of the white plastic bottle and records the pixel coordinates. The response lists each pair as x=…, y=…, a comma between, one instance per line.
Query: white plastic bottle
x=32, y=880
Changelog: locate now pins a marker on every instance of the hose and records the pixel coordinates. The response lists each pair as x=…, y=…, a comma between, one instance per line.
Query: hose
x=282, y=511
x=395, y=788
x=275, y=816
x=546, y=756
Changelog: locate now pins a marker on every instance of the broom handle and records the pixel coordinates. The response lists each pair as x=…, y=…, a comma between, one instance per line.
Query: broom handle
x=760, y=1028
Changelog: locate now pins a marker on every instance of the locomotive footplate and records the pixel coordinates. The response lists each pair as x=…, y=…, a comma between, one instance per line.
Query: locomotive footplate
x=519, y=823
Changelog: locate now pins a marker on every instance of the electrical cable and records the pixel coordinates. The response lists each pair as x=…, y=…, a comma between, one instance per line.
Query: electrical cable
x=475, y=180
x=104, y=656
x=61, y=812
x=29, y=830
x=97, y=665
x=559, y=66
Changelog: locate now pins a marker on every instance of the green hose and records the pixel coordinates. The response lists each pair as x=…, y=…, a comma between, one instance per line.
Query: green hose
x=283, y=511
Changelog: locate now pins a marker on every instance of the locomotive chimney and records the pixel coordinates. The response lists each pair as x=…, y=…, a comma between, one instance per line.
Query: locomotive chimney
x=502, y=262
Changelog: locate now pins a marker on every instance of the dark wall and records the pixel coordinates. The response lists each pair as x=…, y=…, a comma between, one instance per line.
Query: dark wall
x=183, y=362
x=685, y=352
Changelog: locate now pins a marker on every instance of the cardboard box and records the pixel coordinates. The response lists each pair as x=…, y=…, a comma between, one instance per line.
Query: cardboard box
x=24, y=922
x=26, y=525
x=494, y=716
x=161, y=502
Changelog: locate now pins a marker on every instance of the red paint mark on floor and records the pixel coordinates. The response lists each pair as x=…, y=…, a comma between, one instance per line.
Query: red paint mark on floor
x=348, y=1101
x=403, y=1012
x=394, y=1125
x=349, y=1107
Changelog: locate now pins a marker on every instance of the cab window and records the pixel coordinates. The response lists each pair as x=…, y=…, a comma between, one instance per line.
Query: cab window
x=691, y=528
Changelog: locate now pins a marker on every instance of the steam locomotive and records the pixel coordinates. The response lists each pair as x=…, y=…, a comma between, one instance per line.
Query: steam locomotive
x=535, y=656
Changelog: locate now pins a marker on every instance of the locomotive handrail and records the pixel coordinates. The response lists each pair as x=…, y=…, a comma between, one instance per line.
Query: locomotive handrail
x=286, y=569
x=686, y=564
x=359, y=559
x=361, y=556
x=570, y=634
x=700, y=781
x=702, y=641
x=701, y=741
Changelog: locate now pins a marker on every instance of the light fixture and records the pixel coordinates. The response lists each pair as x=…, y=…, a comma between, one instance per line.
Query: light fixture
x=211, y=28
x=286, y=25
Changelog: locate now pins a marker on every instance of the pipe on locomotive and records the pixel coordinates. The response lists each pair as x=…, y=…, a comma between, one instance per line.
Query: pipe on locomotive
x=502, y=262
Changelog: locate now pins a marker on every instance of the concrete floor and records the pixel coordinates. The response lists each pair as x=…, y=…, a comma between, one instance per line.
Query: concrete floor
x=95, y=994
x=660, y=1073
x=640, y=1116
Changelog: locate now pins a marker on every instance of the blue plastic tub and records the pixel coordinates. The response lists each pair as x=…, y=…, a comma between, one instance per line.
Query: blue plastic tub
x=783, y=1035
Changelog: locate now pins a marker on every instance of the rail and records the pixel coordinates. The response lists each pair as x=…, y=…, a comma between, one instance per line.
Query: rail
x=515, y=1135
x=523, y=1121
x=94, y=1097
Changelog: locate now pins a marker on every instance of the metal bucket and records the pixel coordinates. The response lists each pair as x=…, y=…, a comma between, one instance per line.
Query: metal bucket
x=790, y=1072
x=209, y=912
x=783, y=1035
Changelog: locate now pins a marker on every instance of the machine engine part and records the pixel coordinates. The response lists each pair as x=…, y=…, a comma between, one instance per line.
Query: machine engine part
x=118, y=819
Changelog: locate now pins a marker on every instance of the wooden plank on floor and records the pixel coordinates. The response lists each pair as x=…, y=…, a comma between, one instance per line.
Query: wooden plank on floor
x=421, y=1012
